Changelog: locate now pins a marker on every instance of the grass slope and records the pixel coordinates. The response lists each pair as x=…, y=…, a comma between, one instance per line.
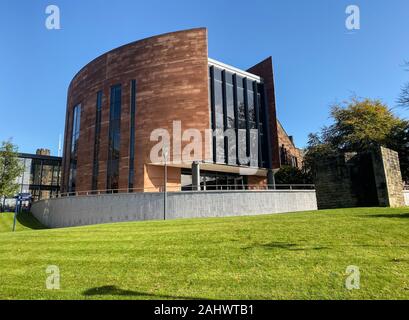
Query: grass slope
x=292, y=256
x=24, y=222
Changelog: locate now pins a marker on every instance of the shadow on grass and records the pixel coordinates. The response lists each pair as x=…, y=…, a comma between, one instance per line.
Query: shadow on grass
x=29, y=221
x=115, y=291
x=286, y=246
x=391, y=216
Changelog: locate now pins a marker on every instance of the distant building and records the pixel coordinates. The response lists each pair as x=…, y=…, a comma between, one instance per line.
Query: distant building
x=290, y=155
x=42, y=174
x=41, y=177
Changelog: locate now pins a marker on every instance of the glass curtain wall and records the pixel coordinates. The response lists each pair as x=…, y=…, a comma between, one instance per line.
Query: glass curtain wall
x=238, y=119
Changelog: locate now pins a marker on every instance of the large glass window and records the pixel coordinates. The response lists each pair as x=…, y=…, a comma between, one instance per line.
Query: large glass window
x=241, y=107
x=253, y=135
x=114, y=138
x=238, y=103
x=97, y=140
x=242, y=122
x=251, y=105
x=75, y=133
x=218, y=107
x=42, y=177
x=230, y=101
x=230, y=119
x=211, y=180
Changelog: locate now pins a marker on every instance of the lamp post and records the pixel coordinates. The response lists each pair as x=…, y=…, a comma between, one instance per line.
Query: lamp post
x=16, y=212
x=19, y=202
x=165, y=174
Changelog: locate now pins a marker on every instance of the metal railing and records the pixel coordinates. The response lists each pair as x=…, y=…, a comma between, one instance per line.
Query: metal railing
x=170, y=189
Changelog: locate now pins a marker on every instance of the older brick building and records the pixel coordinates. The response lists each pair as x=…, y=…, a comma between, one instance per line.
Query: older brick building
x=119, y=99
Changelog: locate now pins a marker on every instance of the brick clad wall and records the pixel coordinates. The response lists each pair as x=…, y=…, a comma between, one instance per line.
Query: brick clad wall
x=171, y=76
x=255, y=181
x=284, y=140
x=264, y=70
x=278, y=135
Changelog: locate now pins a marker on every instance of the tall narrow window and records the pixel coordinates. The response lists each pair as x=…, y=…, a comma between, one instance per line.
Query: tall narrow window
x=114, y=138
x=98, y=112
x=75, y=133
x=132, y=137
x=218, y=107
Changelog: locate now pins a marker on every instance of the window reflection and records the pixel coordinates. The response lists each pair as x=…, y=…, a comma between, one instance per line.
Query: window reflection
x=76, y=124
x=238, y=105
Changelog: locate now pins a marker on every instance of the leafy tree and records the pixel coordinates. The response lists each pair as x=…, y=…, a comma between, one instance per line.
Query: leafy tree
x=10, y=169
x=404, y=96
x=292, y=175
x=359, y=125
x=398, y=140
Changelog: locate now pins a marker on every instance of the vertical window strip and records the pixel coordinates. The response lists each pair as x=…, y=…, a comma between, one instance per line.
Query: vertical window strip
x=213, y=112
x=114, y=139
x=98, y=116
x=75, y=133
x=132, y=137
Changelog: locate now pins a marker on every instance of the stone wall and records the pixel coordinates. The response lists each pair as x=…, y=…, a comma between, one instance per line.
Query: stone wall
x=333, y=183
x=359, y=180
x=97, y=209
x=388, y=178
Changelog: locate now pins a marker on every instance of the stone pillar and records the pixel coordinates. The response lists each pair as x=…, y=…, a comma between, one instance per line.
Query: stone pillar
x=388, y=177
x=196, y=176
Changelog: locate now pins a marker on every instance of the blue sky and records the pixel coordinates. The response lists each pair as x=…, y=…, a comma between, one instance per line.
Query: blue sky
x=317, y=60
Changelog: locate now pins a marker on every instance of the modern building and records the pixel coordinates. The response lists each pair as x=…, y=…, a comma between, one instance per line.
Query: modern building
x=119, y=100
x=41, y=176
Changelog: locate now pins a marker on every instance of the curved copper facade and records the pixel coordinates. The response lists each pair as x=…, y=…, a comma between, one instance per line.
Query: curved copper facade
x=171, y=73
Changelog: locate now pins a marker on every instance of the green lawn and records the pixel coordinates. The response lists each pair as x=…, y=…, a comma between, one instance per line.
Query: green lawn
x=24, y=222
x=291, y=256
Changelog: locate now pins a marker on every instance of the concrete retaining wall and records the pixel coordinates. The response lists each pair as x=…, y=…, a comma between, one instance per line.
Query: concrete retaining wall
x=88, y=210
x=406, y=194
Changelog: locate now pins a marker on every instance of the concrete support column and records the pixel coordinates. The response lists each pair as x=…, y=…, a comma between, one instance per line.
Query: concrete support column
x=271, y=181
x=196, y=176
